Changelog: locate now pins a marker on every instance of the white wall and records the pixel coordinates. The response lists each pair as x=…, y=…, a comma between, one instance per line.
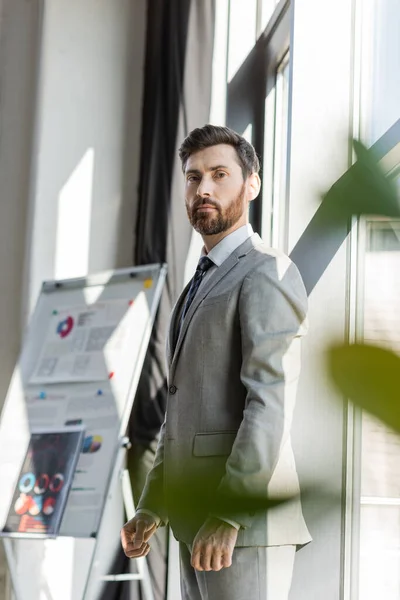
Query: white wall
x=88, y=114
x=19, y=25
x=68, y=203
x=321, y=121
x=18, y=47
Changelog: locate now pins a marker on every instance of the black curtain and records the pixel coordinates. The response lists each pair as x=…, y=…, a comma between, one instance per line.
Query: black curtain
x=177, y=94
x=164, y=74
x=164, y=71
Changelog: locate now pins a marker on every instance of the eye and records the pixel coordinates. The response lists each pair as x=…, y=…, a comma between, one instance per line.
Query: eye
x=192, y=178
x=220, y=175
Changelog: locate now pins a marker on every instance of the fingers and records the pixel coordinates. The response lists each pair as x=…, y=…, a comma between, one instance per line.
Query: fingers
x=150, y=532
x=134, y=537
x=132, y=552
x=127, y=535
x=209, y=558
x=196, y=557
x=227, y=558
x=213, y=546
x=139, y=534
x=207, y=555
x=216, y=561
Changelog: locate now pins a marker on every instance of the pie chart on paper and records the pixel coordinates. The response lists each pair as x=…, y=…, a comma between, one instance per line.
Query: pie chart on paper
x=65, y=327
x=92, y=444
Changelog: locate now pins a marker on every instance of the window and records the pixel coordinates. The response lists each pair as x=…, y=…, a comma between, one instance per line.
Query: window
x=258, y=101
x=381, y=51
x=379, y=574
x=275, y=159
x=376, y=546
x=265, y=11
x=242, y=33
x=376, y=551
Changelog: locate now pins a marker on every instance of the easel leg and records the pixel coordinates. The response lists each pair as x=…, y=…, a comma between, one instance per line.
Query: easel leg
x=143, y=575
x=12, y=567
x=141, y=563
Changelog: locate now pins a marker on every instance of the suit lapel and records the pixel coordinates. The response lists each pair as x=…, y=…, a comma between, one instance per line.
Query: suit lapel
x=174, y=323
x=203, y=291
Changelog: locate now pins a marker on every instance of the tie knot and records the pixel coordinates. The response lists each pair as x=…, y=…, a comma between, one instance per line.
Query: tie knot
x=204, y=264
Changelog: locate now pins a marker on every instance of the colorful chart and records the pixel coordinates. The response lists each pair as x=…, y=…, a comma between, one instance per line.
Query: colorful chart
x=48, y=506
x=36, y=506
x=23, y=504
x=65, y=327
x=92, y=444
x=56, y=483
x=32, y=524
x=42, y=483
x=40, y=494
x=26, y=483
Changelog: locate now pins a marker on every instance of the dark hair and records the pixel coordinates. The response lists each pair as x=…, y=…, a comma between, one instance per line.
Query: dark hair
x=211, y=135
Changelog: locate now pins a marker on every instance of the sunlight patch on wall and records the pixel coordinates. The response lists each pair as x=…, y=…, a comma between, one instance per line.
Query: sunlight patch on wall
x=73, y=225
x=242, y=33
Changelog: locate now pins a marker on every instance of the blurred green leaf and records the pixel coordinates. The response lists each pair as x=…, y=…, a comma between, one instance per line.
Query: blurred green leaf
x=370, y=377
x=194, y=498
x=365, y=188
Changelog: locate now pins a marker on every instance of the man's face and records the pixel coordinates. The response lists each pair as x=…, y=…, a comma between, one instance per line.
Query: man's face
x=215, y=193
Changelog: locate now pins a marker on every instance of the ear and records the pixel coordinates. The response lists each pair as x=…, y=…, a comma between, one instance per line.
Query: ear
x=253, y=186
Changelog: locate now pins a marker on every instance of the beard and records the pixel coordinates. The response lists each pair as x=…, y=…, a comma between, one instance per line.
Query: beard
x=216, y=222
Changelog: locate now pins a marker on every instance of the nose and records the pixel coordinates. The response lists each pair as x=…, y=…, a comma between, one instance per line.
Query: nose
x=204, y=189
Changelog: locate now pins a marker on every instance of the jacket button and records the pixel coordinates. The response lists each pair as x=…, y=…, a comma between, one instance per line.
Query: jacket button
x=172, y=389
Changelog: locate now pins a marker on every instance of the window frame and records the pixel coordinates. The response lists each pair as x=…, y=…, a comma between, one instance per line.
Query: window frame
x=254, y=80
x=387, y=151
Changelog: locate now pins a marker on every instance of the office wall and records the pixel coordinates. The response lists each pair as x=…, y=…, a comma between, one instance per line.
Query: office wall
x=70, y=112
x=87, y=139
x=19, y=39
x=320, y=125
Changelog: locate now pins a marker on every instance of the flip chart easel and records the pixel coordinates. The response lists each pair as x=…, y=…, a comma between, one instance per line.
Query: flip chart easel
x=80, y=364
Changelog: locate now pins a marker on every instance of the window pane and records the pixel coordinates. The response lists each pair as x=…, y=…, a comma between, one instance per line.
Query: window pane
x=267, y=7
x=379, y=554
x=275, y=159
x=385, y=79
x=242, y=33
x=379, y=575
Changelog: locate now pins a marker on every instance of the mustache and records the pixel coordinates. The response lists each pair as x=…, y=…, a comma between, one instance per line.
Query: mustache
x=202, y=201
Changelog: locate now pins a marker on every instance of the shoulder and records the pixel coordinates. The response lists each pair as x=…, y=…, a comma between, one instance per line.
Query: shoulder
x=271, y=262
x=271, y=272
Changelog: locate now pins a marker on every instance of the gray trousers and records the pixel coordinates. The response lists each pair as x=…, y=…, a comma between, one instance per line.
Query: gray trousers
x=256, y=573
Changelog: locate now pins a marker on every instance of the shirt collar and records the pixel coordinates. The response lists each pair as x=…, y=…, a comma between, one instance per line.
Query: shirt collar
x=228, y=244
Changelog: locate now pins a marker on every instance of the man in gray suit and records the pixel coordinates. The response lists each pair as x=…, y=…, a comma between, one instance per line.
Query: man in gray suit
x=233, y=357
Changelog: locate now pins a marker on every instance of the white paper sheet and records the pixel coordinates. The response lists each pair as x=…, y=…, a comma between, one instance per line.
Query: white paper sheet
x=98, y=414
x=84, y=343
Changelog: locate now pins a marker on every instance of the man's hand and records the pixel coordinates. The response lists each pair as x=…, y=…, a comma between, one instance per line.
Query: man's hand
x=136, y=533
x=213, y=546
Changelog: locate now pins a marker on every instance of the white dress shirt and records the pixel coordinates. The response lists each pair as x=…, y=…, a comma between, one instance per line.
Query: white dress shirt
x=225, y=247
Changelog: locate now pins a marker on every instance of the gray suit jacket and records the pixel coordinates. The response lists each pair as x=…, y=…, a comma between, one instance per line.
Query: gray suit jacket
x=232, y=377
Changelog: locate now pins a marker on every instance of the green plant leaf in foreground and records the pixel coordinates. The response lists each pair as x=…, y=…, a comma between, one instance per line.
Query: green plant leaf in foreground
x=364, y=188
x=370, y=377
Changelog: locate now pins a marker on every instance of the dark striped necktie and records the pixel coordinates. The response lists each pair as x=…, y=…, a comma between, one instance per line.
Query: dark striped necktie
x=204, y=264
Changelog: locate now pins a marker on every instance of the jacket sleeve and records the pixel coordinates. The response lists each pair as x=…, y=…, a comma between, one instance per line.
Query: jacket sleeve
x=272, y=313
x=152, y=498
